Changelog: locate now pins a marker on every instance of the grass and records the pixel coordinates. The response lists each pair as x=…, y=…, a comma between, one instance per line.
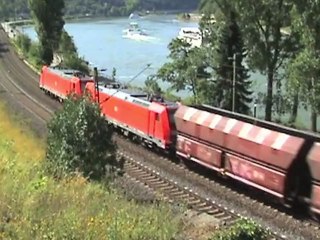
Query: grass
x=33, y=205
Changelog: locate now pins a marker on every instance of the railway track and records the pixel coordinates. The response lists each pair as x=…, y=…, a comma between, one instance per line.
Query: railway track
x=19, y=84
x=171, y=191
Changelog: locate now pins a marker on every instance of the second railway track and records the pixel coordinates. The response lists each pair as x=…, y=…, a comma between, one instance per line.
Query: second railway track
x=19, y=84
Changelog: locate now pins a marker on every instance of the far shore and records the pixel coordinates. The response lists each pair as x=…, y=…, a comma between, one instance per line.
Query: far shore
x=194, y=17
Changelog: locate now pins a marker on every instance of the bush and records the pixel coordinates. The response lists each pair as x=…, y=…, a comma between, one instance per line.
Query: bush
x=79, y=140
x=242, y=230
x=34, y=54
x=24, y=43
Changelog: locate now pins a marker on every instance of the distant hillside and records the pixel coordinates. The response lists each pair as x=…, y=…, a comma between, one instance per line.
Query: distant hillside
x=19, y=8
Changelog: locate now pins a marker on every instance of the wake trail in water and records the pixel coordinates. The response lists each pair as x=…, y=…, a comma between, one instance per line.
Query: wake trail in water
x=140, y=38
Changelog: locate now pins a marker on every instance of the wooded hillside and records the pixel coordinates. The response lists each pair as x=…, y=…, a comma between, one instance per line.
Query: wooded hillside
x=19, y=8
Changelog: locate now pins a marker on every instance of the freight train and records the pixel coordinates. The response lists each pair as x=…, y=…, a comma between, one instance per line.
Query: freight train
x=277, y=160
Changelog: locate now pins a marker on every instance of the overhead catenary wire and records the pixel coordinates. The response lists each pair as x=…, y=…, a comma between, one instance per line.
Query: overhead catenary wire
x=118, y=90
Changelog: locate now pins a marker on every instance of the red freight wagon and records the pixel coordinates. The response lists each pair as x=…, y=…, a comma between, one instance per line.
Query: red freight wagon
x=61, y=82
x=255, y=155
x=135, y=113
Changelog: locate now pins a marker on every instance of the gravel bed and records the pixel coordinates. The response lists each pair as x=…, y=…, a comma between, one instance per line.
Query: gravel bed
x=134, y=190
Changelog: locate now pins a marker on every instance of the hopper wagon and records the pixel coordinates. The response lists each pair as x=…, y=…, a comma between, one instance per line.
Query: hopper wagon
x=278, y=160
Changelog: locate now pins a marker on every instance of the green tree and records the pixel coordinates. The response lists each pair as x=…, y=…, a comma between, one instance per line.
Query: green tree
x=261, y=22
x=230, y=49
x=19, y=8
x=48, y=16
x=187, y=70
x=304, y=69
x=132, y=5
x=66, y=44
x=69, y=53
x=152, y=86
x=23, y=42
x=208, y=30
x=80, y=140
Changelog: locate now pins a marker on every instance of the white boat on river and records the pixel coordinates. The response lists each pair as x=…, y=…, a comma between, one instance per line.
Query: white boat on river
x=136, y=33
x=191, y=35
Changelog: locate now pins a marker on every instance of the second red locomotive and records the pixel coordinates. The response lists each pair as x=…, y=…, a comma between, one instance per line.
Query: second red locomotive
x=62, y=82
x=149, y=118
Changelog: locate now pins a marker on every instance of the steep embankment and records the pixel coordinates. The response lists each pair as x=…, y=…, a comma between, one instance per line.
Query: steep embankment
x=33, y=205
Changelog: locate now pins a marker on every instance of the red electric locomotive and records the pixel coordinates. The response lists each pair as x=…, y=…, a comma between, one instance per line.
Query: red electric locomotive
x=149, y=118
x=61, y=82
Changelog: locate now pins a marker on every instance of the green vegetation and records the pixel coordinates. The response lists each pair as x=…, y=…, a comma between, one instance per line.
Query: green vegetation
x=13, y=9
x=80, y=140
x=48, y=17
x=79, y=8
x=35, y=205
x=261, y=25
x=24, y=43
x=186, y=70
x=69, y=54
x=242, y=230
x=278, y=46
x=231, y=44
x=30, y=50
x=303, y=69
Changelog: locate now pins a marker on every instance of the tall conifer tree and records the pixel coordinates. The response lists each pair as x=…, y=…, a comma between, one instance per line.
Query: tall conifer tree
x=48, y=16
x=231, y=43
